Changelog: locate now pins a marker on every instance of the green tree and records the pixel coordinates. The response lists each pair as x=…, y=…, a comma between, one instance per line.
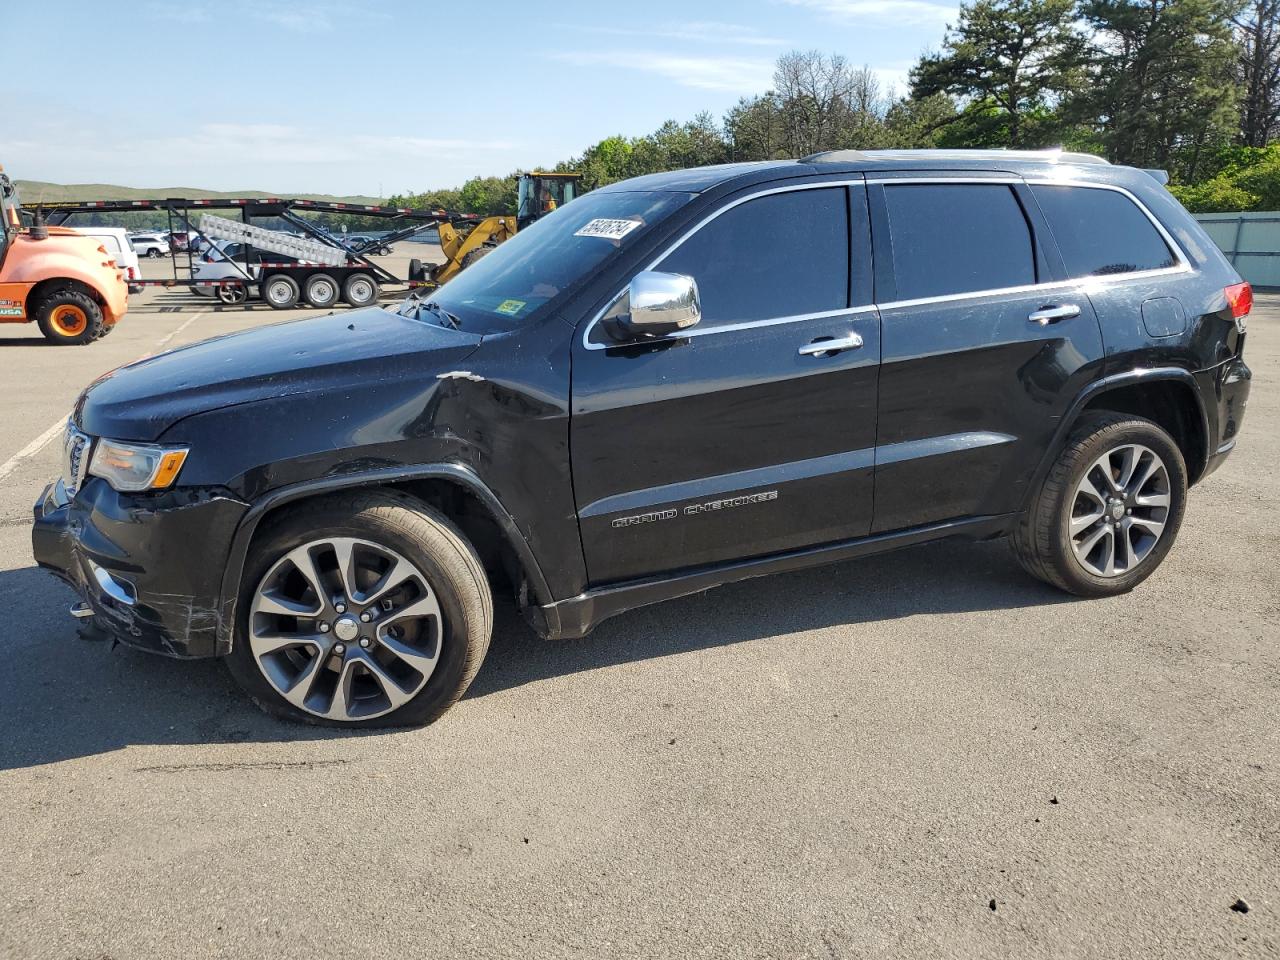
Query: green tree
x=1249, y=179
x=489, y=195
x=1162, y=87
x=1009, y=61
x=1258, y=71
x=920, y=124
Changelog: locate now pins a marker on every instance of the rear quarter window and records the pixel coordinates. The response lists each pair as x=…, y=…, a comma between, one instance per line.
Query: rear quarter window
x=1101, y=232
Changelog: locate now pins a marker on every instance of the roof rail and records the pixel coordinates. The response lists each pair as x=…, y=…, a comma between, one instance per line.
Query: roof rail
x=1041, y=156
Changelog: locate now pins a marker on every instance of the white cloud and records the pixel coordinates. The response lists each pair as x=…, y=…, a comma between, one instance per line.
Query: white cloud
x=905, y=12
x=699, y=31
x=731, y=74
x=230, y=156
x=297, y=19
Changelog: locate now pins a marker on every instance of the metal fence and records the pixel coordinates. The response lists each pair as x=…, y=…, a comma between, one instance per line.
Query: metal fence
x=1251, y=242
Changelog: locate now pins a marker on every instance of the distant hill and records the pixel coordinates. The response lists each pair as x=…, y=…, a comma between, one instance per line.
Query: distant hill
x=35, y=191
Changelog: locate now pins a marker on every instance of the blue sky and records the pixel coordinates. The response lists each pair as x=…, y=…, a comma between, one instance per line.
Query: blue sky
x=388, y=96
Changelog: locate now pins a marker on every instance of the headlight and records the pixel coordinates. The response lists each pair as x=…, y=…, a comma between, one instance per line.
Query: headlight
x=130, y=467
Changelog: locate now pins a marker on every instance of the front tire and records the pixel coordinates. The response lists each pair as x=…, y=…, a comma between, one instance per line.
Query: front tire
x=70, y=318
x=366, y=609
x=1109, y=510
x=280, y=291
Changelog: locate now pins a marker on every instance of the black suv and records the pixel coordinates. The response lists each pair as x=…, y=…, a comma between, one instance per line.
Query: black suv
x=670, y=383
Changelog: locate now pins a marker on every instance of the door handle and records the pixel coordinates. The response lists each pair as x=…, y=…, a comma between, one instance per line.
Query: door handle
x=1047, y=315
x=850, y=342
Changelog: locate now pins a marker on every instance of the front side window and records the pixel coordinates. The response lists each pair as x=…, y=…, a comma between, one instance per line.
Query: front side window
x=1101, y=232
x=780, y=255
x=958, y=238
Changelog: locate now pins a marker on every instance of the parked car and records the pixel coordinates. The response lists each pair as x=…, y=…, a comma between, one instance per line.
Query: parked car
x=359, y=242
x=150, y=245
x=116, y=241
x=674, y=382
x=232, y=260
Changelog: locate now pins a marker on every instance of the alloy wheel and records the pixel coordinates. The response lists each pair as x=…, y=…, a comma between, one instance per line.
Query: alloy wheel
x=345, y=629
x=1119, y=510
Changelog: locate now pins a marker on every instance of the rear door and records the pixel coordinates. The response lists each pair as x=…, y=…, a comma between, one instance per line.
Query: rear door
x=740, y=437
x=984, y=347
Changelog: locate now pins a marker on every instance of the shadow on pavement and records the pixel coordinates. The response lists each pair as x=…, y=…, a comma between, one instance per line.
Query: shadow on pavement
x=63, y=697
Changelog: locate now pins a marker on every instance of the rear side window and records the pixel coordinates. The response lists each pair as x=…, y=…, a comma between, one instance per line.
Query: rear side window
x=780, y=255
x=1101, y=232
x=958, y=238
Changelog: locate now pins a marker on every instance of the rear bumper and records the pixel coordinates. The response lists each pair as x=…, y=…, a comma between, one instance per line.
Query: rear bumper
x=149, y=566
x=1230, y=391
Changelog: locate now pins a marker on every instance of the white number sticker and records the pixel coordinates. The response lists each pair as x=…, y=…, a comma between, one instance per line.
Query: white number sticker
x=608, y=229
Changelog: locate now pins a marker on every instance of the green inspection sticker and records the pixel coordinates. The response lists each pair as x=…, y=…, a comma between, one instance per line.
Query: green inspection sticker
x=511, y=307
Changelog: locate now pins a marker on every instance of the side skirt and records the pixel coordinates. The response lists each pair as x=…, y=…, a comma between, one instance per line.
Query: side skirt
x=577, y=616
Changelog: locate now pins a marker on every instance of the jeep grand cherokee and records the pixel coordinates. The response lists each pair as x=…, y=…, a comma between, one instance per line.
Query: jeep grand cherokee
x=670, y=383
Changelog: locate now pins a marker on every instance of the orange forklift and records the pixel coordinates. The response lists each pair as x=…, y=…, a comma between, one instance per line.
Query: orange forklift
x=64, y=281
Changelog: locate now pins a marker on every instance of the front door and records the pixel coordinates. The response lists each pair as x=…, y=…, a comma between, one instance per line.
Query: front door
x=741, y=436
x=984, y=348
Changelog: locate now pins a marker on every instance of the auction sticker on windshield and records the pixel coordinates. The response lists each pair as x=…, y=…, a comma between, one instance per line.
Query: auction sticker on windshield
x=608, y=229
x=510, y=307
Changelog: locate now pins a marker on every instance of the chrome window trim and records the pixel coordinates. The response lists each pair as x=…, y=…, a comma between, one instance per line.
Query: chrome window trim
x=1183, y=265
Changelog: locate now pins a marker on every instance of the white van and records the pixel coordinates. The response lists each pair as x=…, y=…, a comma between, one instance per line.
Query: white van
x=116, y=240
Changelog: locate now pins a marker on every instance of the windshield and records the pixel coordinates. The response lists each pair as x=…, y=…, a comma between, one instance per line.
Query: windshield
x=505, y=288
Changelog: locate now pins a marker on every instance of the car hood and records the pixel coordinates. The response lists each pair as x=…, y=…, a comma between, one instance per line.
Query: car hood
x=141, y=400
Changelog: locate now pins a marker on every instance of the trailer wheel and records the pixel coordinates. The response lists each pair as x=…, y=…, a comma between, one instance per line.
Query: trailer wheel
x=69, y=317
x=233, y=293
x=280, y=291
x=360, y=290
x=321, y=290
x=416, y=270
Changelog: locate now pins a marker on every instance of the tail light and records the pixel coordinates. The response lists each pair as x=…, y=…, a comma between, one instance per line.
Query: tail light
x=1240, y=299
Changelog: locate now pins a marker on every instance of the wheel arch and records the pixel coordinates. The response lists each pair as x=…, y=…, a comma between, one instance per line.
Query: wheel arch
x=1166, y=395
x=454, y=489
x=46, y=286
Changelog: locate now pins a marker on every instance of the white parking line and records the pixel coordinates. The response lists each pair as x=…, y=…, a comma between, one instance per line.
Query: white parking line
x=165, y=342
x=38, y=444
x=31, y=449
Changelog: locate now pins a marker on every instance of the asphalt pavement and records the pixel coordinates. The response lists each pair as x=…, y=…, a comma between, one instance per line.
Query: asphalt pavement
x=924, y=754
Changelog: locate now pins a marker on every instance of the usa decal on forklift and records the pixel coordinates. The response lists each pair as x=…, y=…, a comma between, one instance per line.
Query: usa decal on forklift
x=608, y=229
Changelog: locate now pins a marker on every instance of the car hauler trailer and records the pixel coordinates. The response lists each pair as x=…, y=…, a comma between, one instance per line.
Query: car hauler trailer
x=322, y=269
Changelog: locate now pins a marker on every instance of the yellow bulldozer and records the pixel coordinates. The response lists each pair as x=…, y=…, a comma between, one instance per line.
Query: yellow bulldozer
x=463, y=243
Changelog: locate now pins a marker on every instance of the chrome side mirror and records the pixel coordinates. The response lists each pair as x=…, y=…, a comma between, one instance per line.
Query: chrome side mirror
x=655, y=304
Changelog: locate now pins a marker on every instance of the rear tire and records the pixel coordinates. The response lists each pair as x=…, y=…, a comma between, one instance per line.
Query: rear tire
x=349, y=665
x=479, y=253
x=154, y=253
x=321, y=291
x=69, y=317
x=280, y=291
x=233, y=293
x=360, y=290
x=1109, y=510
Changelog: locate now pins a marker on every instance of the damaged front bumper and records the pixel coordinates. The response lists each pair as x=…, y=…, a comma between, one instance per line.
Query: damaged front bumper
x=149, y=566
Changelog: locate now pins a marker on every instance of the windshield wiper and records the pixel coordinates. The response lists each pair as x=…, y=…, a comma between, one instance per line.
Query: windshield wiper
x=441, y=312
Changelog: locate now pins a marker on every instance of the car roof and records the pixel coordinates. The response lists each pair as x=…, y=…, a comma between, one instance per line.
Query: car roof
x=1031, y=163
